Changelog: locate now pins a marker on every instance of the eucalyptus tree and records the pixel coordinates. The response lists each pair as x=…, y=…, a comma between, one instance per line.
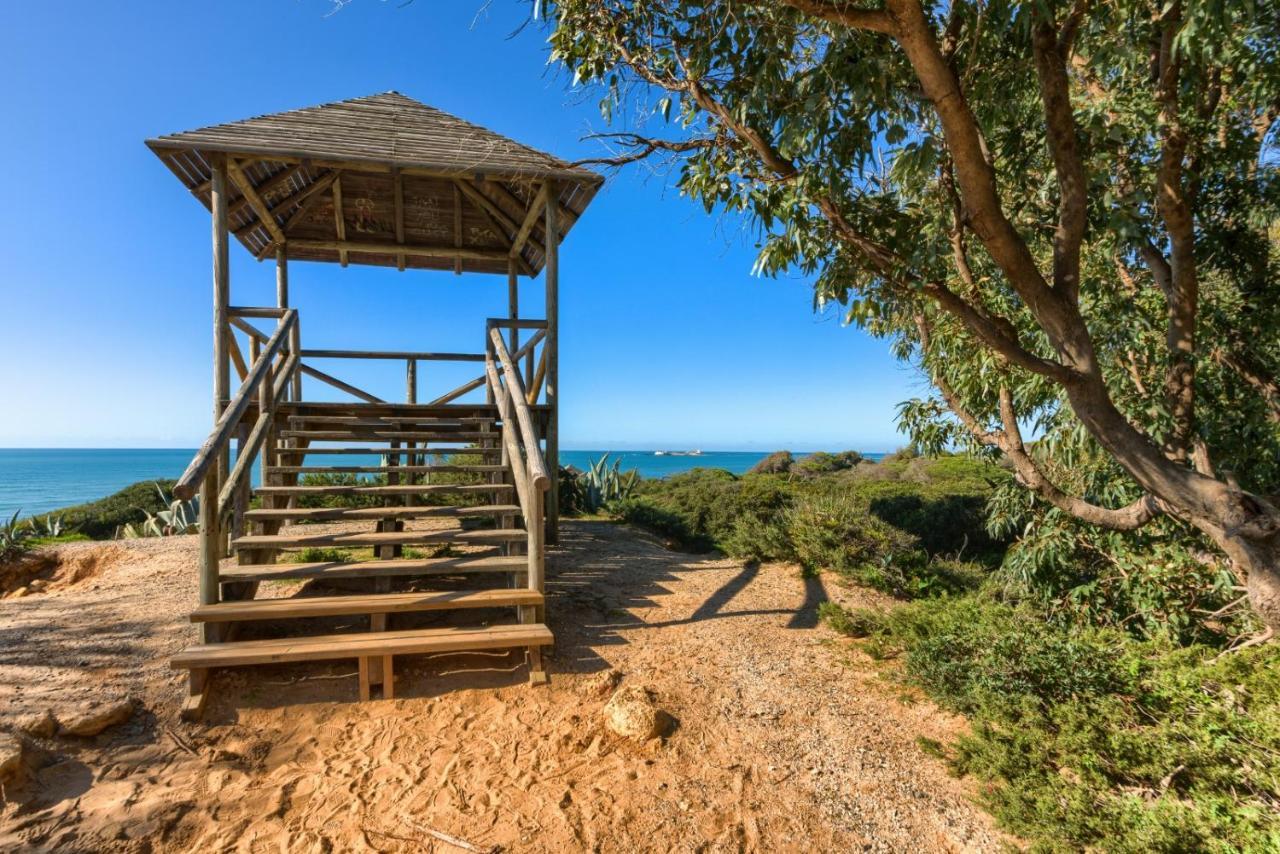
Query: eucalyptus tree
x=1066, y=211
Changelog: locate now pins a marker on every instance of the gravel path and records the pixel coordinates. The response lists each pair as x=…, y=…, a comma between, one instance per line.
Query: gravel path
x=788, y=739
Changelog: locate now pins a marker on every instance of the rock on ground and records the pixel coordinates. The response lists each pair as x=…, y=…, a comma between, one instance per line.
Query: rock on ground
x=631, y=713
x=11, y=755
x=97, y=718
x=602, y=684
x=41, y=724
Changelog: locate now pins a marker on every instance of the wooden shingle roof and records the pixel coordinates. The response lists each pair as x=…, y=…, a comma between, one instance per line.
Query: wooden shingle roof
x=382, y=180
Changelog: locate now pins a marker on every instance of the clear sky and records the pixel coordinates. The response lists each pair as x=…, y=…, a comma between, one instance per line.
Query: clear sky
x=666, y=338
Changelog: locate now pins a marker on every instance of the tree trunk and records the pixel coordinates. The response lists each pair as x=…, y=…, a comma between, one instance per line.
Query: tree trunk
x=1257, y=560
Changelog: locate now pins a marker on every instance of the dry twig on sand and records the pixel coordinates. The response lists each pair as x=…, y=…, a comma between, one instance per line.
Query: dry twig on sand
x=453, y=840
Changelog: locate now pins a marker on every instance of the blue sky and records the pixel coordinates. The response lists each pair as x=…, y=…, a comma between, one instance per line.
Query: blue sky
x=667, y=340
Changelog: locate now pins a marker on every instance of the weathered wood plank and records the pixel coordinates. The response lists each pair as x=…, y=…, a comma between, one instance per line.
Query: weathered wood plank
x=328, y=647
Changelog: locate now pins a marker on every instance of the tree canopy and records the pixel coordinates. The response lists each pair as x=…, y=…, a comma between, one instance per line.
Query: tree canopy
x=1067, y=213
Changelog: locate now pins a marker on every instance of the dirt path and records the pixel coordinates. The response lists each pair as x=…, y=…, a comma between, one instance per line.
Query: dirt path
x=786, y=741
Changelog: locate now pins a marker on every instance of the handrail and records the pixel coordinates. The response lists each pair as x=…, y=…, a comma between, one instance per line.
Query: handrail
x=388, y=354
x=511, y=323
x=220, y=437
x=472, y=385
x=518, y=471
x=254, y=332
x=515, y=389
x=253, y=444
x=256, y=311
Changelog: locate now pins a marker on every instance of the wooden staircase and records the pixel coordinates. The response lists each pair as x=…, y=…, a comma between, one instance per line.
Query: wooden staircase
x=437, y=548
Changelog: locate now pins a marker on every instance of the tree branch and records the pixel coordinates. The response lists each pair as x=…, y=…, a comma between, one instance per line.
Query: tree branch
x=845, y=14
x=1009, y=441
x=998, y=334
x=1175, y=210
x=1254, y=375
x=641, y=148
x=1064, y=146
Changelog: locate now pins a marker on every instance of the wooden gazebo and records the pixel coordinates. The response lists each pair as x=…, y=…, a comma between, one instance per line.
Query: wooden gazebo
x=387, y=181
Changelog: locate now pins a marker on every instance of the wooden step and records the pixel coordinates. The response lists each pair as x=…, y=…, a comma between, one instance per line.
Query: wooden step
x=374, y=603
x=380, y=435
x=379, y=538
x=335, y=514
x=385, y=451
x=399, y=410
x=478, y=468
x=407, y=489
x=331, y=647
x=393, y=420
x=395, y=568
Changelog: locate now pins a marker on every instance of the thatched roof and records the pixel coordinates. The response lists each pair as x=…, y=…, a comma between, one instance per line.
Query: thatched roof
x=382, y=180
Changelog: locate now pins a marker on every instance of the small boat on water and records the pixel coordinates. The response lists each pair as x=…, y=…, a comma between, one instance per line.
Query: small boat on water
x=693, y=453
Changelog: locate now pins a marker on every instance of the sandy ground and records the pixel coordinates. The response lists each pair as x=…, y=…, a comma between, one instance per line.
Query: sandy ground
x=787, y=739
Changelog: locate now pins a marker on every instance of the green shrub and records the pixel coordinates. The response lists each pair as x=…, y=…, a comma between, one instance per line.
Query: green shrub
x=820, y=462
x=317, y=554
x=340, y=479
x=886, y=533
x=943, y=524
x=837, y=532
x=101, y=519
x=779, y=462
x=572, y=491
x=644, y=513
x=705, y=509
x=1089, y=739
x=858, y=623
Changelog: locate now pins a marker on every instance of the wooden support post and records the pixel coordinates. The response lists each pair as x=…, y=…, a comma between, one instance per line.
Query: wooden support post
x=457, y=228
x=211, y=539
x=295, y=346
x=552, y=347
x=267, y=457
x=282, y=277
x=240, y=504
x=513, y=307
x=339, y=219
x=193, y=706
x=489, y=359
x=411, y=396
x=398, y=181
x=210, y=552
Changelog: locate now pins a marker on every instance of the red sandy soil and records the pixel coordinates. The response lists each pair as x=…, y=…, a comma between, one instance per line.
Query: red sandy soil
x=788, y=738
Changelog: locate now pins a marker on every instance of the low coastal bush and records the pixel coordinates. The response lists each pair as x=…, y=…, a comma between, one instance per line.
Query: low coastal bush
x=438, y=478
x=900, y=536
x=340, y=479
x=820, y=462
x=101, y=519
x=1087, y=738
x=779, y=462
x=835, y=531
x=704, y=509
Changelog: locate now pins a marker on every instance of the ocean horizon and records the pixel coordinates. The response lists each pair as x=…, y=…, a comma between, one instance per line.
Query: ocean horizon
x=37, y=480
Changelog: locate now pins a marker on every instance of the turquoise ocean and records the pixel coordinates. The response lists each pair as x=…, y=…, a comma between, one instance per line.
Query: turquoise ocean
x=35, y=480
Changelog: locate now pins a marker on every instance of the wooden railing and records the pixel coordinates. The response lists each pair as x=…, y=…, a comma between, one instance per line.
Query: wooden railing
x=273, y=375
x=521, y=444
x=272, y=378
x=266, y=382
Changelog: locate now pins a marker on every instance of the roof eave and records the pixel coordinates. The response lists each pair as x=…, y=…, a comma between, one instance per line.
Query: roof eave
x=578, y=175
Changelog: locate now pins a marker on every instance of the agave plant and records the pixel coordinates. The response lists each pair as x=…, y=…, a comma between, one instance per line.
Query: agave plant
x=14, y=539
x=49, y=526
x=182, y=517
x=603, y=483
